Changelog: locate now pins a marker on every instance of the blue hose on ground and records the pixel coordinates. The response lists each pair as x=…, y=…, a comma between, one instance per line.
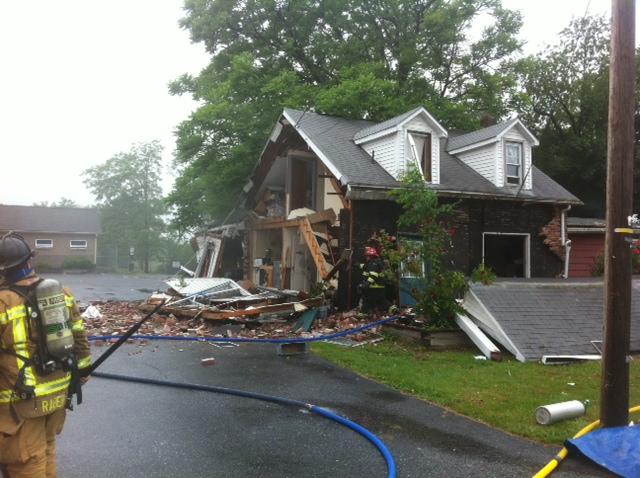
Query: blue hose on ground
x=264, y=341
x=323, y=412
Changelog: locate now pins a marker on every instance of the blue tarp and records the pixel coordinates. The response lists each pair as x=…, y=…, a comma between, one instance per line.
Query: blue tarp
x=617, y=449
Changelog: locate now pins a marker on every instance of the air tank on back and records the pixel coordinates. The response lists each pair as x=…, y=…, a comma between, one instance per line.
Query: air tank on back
x=54, y=315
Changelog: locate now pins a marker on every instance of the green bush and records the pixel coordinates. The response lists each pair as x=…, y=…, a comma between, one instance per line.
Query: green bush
x=78, y=263
x=483, y=274
x=45, y=267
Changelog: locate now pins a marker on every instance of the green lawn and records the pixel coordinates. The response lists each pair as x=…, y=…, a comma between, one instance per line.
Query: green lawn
x=502, y=394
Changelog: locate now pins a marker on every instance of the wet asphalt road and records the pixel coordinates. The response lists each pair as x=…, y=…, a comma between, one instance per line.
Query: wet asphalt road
x=97, y=286
x=133, y=430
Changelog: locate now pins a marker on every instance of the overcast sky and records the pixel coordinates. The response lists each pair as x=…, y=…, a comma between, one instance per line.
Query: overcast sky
x=81, y=80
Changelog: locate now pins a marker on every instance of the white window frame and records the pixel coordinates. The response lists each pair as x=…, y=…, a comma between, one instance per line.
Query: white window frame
x=520, y=163
x=417, y=156
x=46, y=245
x=527, y=248
x=71, y=246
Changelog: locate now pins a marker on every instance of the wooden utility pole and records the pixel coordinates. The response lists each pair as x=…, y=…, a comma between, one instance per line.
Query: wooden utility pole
x=614, y=403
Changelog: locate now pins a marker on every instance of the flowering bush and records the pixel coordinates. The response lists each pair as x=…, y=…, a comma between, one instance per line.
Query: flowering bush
x=439, y=287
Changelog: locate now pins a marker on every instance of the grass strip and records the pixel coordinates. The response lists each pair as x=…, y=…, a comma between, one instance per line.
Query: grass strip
x=503, y=394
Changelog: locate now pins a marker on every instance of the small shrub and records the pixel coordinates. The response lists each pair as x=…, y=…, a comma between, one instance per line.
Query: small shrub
x=483, y=274
x=45, y=267
x=78, y=263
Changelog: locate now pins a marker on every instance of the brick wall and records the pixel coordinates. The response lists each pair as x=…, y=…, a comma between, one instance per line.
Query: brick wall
x=55, y=256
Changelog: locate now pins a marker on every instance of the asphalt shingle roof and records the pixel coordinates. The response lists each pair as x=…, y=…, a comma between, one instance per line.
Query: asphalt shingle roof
x=390, y=123
x=553, y=318
x=334, y=137
x=477, y=136
x=49, y=219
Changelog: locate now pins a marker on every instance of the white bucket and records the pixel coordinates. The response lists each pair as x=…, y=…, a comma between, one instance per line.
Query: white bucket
x=548, y=414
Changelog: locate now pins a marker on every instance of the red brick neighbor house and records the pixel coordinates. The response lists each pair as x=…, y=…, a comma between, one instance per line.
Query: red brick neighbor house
x=55, y=233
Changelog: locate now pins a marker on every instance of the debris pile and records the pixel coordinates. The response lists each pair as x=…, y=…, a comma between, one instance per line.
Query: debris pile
x=117, y=317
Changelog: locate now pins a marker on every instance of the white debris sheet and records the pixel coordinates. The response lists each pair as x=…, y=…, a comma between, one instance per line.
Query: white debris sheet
x=207, y=286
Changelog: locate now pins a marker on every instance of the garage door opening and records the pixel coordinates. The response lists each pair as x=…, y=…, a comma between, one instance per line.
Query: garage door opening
x=506, y=254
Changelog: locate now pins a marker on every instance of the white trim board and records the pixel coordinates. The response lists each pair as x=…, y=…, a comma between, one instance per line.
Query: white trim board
x=488, y=323
x=527, y=248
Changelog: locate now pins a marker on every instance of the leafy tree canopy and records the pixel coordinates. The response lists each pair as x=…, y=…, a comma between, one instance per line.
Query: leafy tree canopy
x=564, y=99
x=62, y=202
x=128, y=193
x=353, y=58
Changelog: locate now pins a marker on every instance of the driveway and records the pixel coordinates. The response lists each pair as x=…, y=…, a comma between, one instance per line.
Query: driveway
x=129, y=430
x=99, y=286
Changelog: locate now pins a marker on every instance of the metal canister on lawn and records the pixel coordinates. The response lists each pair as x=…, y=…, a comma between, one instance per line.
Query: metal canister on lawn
x=555, y=412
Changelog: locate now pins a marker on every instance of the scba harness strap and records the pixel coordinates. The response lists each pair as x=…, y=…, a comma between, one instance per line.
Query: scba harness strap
x=23, y=318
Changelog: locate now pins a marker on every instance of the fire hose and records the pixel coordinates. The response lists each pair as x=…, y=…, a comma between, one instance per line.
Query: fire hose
x=328, y=414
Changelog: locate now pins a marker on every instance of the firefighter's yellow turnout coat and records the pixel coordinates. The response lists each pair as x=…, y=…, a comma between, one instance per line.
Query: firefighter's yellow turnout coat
x=28, y=425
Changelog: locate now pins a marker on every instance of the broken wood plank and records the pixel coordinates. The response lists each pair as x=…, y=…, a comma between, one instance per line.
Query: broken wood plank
x=478, y=337
x=230, y=314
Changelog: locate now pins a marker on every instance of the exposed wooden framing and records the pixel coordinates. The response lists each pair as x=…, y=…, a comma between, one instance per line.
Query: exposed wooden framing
x=344, y=258
x=327, y=215
x=338, y=189
x=314, y=247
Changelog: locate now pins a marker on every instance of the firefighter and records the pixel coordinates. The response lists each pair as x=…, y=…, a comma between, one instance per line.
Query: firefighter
x=372, y=287
x=43, y=351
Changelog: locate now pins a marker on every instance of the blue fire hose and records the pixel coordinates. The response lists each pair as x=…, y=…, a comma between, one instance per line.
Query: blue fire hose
x=323, y=412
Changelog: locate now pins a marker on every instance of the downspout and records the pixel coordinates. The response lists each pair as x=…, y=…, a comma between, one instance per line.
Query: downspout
x=566, y=243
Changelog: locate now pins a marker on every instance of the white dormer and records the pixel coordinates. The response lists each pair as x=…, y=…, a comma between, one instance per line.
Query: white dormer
x=501, y=153
x=411, y=139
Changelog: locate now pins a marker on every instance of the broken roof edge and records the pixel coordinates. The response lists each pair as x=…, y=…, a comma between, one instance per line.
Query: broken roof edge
x=319, y=153
x=489, y=324
x=374, y=193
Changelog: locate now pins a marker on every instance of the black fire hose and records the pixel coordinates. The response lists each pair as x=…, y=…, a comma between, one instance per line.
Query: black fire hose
x=121, y=340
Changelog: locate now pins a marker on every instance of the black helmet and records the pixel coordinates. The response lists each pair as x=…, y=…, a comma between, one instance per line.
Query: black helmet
x=14, y=251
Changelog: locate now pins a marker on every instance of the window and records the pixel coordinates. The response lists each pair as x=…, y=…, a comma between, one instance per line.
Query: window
x=78, y=244
x=513, y=157
x=420, y=146
x=44, y=243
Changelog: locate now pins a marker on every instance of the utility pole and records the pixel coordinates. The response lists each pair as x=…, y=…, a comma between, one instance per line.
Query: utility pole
x=614, y=397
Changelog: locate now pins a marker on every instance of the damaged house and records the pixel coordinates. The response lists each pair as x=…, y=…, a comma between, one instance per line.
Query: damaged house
x=320, y=190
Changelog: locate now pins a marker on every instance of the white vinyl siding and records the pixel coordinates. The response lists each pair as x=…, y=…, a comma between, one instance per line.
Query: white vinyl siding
x=482, y=160
x=385, y=153
x=515, y=135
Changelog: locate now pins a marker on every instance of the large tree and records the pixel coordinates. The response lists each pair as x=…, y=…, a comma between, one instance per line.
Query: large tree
x=354, y=58
x=128, y=193
x=565, y=100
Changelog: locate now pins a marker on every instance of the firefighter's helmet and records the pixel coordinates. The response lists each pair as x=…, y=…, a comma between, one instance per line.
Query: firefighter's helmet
x=370, y=252
x=14, y=251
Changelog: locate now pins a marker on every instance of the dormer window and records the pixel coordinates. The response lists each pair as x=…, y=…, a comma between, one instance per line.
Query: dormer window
x=420, y=147
x=513, y=160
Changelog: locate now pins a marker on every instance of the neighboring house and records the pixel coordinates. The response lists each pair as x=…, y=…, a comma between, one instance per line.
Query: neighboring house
x=587, y=243
x=55, y=233
x=335, y=175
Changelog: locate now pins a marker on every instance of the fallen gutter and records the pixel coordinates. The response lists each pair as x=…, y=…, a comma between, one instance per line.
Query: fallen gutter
x=563, y=239
x=565, y=359
x=478, y=337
